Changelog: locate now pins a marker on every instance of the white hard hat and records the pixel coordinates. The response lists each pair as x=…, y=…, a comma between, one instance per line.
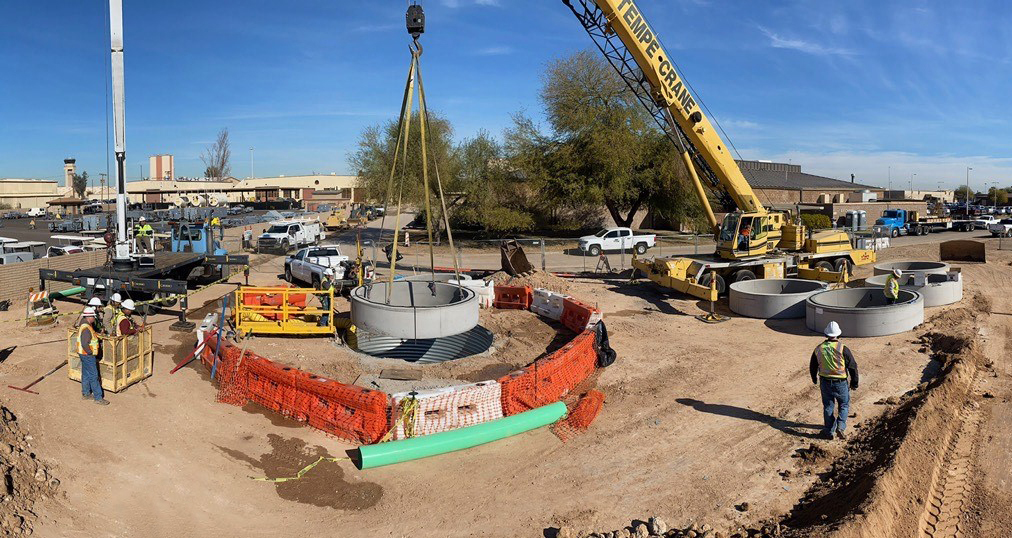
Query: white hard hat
x=95, y=301
x=128, y=304
x=116, y=298
x=142, y=219
x=88, y=312
x=833, y=330
x=329, y=271
x=897, y=272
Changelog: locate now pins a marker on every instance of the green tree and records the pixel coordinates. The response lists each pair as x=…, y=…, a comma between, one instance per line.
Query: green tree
x=602, y=149
x=79, y=183
x=961, y=193
x=997, y=196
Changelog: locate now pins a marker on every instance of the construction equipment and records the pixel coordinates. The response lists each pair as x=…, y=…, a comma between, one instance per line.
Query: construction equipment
x=514, y=260
x=279, y=310
x=752, y=241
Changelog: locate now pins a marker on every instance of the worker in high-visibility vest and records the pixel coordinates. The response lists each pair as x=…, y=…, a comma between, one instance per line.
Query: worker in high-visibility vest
x=123, y=324
x=327, y=284
x=109, y=313
x=96, y=303
x=892, y=286
x=834, y=369
x=87, y=349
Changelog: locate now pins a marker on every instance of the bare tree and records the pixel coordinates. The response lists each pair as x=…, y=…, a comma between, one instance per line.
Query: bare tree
x=216, y=157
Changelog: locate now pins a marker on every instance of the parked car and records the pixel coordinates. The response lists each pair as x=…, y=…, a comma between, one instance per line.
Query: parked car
x=12, y=215
x=36, y=212
x=984, y=221
x=616, y=239
x=1001, y=228
x=308, y=264
x=283, y=235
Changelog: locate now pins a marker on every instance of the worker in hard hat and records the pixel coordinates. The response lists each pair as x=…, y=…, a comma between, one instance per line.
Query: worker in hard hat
x=327, y=284
x=834, y=369
x=96, y=304
x=110, y=311
x=144, y=234
x=88, y=346
x=124, y=325
x=892, y=286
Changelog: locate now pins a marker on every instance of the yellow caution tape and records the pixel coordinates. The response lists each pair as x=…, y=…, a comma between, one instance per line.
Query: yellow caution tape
x=299, y=475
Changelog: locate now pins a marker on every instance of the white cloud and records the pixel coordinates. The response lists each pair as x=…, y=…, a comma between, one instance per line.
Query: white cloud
x=454, y=4
x=779, y=42
x=494, y=51
x=739, y=124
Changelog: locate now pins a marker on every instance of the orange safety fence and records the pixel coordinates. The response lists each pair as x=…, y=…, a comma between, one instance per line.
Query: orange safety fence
x=349, y=412
x=550, y=378
x=580, y=416
x=517, y=298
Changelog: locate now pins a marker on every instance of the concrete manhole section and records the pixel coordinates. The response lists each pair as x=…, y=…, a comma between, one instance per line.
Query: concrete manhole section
x=414, y=310
x=772, y=298
x=864, y=311
x=937, y=289
x=937, y=268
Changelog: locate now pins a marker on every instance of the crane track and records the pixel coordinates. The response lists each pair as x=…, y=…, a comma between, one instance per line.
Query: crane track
x=951, y=479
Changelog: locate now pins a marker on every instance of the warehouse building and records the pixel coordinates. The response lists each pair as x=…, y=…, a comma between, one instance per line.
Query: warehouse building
x=300, y=189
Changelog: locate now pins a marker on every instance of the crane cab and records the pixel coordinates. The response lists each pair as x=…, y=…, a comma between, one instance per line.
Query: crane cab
x=744, y=235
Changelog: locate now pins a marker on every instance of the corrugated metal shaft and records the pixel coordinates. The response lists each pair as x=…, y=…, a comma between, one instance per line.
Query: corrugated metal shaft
x=429, y=350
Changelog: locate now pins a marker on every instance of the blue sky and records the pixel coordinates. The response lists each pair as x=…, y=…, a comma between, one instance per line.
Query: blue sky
x=839, y=87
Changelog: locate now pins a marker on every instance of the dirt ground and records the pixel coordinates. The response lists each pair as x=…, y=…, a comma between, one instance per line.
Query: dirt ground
x=698, y=420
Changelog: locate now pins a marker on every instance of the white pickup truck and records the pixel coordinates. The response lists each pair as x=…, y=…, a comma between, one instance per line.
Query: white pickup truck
x=1002, y=228
x=283, y=235
x=616, y=239
x=308, y=264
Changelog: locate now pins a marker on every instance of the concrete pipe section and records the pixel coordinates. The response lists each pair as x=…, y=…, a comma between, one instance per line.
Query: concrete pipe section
x=927, y=268
x=864, y=311
x=937, y=290
x=415, y=310
x=439, y=277
x=773, y=298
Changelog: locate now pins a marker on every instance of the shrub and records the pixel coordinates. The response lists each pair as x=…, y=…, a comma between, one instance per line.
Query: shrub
x=816, y=221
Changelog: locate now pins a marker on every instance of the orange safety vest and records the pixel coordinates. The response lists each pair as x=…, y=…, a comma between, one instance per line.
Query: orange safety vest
x=92, y=345
x=832, y=364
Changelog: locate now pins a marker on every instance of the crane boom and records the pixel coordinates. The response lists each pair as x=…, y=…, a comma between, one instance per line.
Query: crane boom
x=122, y=256
x=659, y=86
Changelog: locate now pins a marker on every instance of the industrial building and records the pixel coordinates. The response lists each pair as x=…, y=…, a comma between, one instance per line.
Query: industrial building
x=264, y=189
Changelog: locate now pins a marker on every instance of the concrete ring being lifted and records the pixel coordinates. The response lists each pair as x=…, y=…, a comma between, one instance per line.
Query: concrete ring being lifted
x=864, y=311
x=937, y=290
x=928, y=268
x=416, y=310
x=773, y=298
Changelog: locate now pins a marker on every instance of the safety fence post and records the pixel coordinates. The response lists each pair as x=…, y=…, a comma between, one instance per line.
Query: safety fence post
x=544, y=265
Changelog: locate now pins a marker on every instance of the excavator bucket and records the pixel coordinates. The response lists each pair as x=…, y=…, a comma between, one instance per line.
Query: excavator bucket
x=514, y=261
x=962, y=250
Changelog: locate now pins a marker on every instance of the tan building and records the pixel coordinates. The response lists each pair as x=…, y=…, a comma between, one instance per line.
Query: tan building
x=161, y=167
x=28, y=193
x=262, y=189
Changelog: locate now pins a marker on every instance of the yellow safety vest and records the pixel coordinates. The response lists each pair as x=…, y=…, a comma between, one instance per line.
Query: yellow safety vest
x=832, y=364
x=145, y=230
x=120, y=316
x=92, y=346
x=892, y=289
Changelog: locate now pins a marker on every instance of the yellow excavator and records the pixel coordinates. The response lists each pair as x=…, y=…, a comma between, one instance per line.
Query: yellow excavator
x=752, y=241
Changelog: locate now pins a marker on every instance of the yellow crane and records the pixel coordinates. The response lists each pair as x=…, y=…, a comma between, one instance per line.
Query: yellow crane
x=752, y=241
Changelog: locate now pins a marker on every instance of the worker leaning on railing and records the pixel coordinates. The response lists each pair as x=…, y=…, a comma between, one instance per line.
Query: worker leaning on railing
x=88, y=349
x=123, y=324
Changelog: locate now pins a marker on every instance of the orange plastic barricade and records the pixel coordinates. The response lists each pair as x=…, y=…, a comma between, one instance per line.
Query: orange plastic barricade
x=445, y=409
x=579, y=316
x=518, y=298
x=550, y=378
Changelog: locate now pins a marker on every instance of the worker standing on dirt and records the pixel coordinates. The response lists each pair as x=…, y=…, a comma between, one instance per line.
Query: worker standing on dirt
x=87, y=350
x=834, y=369
x=327, y=284
x=124, y=325
x=892, y=286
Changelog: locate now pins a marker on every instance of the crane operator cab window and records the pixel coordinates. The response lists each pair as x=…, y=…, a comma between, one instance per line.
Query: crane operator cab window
x=729, y=229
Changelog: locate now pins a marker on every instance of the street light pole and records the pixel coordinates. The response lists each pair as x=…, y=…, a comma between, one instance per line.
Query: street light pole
x=912, y=184
x=251, y=176
x=967, y=193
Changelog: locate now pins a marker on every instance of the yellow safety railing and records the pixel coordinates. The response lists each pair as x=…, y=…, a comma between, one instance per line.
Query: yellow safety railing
x=281, y=310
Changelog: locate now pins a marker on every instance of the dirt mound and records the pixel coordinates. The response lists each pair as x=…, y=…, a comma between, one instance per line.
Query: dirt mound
x=537, y=279
x=26, y=478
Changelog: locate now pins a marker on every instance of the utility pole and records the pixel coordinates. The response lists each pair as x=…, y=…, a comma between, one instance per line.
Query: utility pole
x=966, y=198
x=251, y=176
x=912, y=184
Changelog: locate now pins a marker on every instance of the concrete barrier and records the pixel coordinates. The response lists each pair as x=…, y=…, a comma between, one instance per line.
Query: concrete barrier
x=773, y=298
x=864, y=311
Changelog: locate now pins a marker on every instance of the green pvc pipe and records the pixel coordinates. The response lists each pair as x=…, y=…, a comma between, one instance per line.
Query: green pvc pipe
x=381, y=454
x=70, y=292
